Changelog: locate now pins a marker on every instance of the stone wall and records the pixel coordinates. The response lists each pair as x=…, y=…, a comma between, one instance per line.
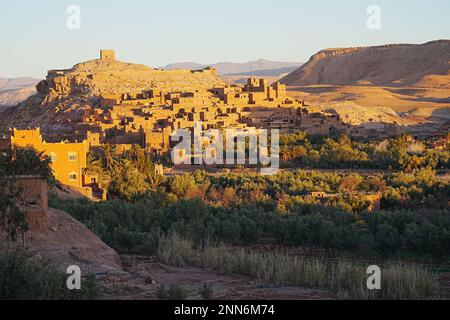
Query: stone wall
x=33, y=198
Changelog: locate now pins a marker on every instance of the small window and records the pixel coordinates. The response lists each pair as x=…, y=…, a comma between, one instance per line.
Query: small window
x=72, y=176
x=72, y=156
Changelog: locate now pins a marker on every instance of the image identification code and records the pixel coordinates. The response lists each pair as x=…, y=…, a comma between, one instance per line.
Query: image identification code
x=226, y=310
x=246, y=310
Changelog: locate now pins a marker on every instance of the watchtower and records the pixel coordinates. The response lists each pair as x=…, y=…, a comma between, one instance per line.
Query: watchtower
x=107, y=55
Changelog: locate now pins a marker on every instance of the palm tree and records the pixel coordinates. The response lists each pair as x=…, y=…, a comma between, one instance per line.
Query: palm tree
x=141, y=160
x=108, y=157
x=94, y=164
x=135, y=151
x=154, y=180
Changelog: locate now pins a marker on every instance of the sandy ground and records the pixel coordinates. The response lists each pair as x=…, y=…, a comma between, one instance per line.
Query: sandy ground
x=400, y=99
x=146, y=275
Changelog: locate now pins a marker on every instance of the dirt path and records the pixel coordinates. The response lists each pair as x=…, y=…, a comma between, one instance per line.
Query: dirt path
x=146, y=275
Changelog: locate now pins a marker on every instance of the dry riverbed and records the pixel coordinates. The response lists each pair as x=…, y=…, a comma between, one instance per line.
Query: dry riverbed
x=143, y=276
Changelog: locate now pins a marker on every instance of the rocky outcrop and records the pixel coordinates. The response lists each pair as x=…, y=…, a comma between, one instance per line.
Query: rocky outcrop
x=425, y=65
x=99, y=77
x=67, y=243
x=64, y=95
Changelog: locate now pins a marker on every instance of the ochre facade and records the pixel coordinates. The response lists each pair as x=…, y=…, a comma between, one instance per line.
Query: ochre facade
x=68, y=159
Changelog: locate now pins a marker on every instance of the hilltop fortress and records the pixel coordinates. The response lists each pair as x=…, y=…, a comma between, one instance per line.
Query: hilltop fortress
x=105, y=101
x=127, y=103
x=108, y=76
x=106, y=95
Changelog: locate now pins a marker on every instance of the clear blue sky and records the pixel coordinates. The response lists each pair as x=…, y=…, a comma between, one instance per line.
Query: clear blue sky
x=34, y=36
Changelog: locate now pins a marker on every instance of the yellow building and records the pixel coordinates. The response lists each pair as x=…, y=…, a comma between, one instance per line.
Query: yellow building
x=68, y=159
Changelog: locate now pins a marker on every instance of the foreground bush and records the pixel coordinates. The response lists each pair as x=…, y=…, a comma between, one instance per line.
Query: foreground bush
x=175, y=292
x=345, y=278
x=22, y=279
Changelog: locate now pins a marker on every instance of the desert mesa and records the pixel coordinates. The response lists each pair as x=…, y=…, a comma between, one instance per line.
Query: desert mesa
x=409, y=80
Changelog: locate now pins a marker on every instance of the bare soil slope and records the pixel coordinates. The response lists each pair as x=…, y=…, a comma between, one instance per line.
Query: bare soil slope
x=68, y=242
x=358, y=104
x=425, y=65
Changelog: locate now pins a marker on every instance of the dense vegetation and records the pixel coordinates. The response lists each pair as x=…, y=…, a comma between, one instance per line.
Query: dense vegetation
x=133, y=173
x=246, y=208
x=401, y=153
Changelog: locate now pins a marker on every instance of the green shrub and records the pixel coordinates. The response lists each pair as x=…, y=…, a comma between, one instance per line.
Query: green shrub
x=23, y=279
x=175, y=292
x=206, y=291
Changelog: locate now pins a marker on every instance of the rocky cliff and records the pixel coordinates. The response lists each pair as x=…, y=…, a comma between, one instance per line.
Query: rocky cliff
x=425, y=65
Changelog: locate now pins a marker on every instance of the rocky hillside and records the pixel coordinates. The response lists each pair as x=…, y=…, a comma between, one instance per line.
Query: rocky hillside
x=61, y=98
x=105, y=77
x=425, y=65
x=68, y=242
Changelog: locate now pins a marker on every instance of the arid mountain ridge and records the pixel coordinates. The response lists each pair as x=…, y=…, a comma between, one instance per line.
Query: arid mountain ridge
x=15, y=90
x=424, y=65
x=267, y=67
x=16, y=83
